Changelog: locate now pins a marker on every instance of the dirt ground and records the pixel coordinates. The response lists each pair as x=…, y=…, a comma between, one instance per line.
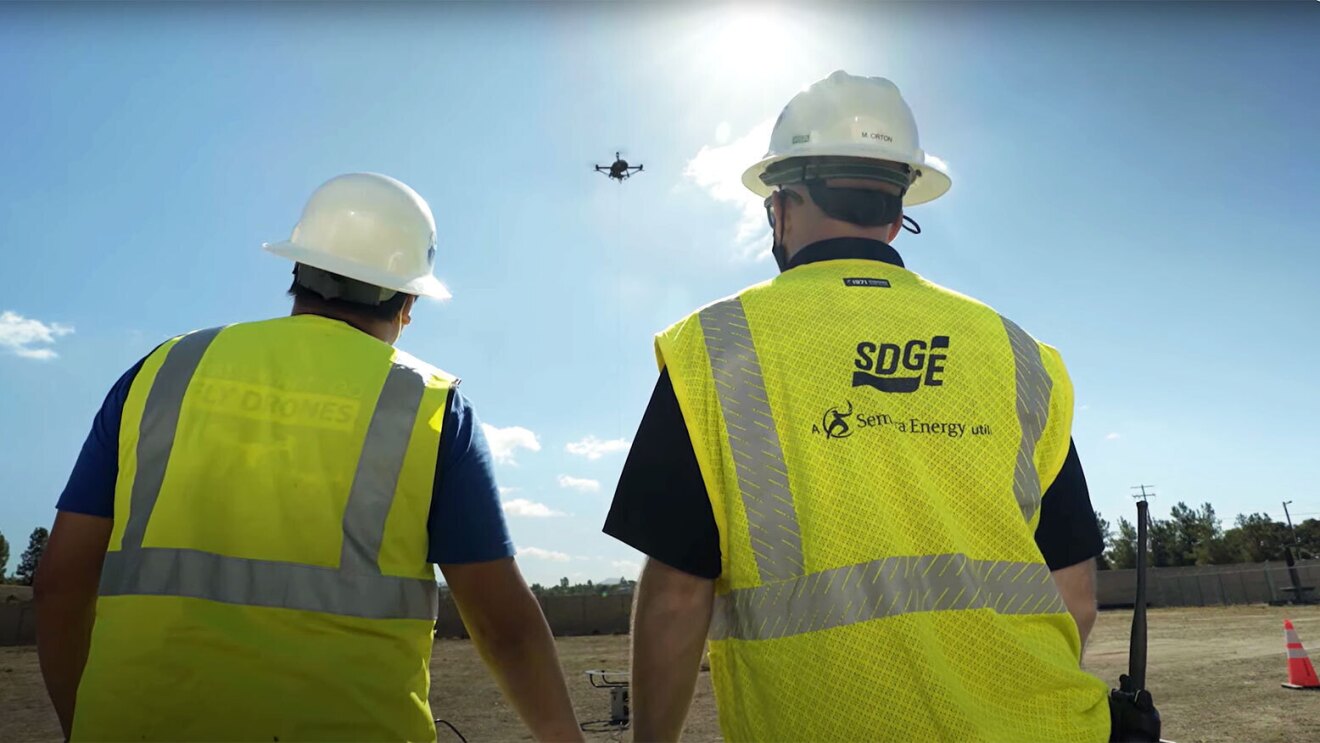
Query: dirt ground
x=1215, y=674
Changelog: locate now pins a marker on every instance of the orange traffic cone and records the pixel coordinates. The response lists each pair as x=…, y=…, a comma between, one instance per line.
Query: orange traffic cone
x=1301, y=674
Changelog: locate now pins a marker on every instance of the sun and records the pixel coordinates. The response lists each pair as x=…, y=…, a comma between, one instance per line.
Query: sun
x=750, y=34
x=745, y=42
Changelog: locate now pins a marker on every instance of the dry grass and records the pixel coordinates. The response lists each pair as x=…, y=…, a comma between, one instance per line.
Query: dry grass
x=1215, y=673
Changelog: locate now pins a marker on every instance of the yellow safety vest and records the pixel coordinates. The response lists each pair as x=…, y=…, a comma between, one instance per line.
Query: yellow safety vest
x=875, y=448
x=266, y=577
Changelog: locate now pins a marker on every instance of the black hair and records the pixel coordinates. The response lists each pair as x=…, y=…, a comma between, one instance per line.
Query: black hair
x=859, y=206
x=386, y=310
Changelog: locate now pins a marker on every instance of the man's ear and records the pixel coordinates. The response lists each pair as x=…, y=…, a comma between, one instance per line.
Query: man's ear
x=895, y=228
x=406, y=312
x=781, y=213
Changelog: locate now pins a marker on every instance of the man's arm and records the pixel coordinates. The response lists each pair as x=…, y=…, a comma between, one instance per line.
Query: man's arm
x=670, y=622
x=1068, y=536
x=662, y=510
x=64, y=592
x=511, y=634
x=1077, y=585
x=470, y=542
x=67, y=579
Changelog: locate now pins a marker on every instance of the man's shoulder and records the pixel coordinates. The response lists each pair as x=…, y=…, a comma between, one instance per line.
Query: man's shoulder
x=694, y=316
x=426, y=370
x=433, y=374
x=955, y=296
x=976, y=305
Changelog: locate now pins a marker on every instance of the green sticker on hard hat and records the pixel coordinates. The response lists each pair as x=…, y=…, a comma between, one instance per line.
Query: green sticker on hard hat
x=801, y=138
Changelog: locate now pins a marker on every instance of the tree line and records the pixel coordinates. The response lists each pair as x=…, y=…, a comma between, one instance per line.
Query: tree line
x=1190, y=536
x=1195, y=536
x=27, y=562
x=567, y=588
x=564, y=588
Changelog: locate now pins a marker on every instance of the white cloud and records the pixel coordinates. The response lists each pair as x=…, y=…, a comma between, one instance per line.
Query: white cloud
x=593, y=448
x=22, y=334
x=536, y=553
x=1113, y=437
x=509, y=491
x=40, y=354
x=581, y=484
x=629, y=568
x=529, y=509
x=504, y=442
x=718, y=169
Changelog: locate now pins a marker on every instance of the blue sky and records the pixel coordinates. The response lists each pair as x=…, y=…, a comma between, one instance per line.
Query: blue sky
x=1133, y=184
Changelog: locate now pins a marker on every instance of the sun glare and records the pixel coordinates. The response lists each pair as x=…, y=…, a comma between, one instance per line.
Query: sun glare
x=745, y=42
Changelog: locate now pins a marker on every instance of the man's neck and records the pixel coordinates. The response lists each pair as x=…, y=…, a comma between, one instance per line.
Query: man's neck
x=378, y=329
x=877, y=235
x=842, y=248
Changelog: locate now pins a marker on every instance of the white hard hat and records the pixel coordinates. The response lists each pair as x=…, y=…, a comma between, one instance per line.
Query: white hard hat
x=854, y=117
x=368, y=227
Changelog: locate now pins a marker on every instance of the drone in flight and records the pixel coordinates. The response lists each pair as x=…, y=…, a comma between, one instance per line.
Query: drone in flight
x=620, y=170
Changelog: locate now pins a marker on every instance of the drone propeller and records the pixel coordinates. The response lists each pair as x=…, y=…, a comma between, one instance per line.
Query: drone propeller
x=618, y=170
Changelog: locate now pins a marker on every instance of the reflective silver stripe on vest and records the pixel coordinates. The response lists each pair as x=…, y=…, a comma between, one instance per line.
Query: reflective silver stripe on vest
x=156, y=571
x=160, y=418
x=356, y=588
x=1033, y=410
x=883, y=588
x=753, y=441
x=378, y=469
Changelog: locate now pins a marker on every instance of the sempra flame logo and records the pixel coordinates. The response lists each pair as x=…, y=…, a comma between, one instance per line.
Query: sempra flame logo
x=835, y=424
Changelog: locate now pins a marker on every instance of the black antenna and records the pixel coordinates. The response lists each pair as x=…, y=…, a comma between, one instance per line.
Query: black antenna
x=1137, y=643
x=1132, y=710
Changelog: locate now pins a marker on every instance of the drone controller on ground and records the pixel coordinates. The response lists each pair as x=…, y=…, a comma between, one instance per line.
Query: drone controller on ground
x=620, y=710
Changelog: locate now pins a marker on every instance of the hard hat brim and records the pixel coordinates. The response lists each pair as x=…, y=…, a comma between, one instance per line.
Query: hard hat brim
x=425, y=285
x=933, y=183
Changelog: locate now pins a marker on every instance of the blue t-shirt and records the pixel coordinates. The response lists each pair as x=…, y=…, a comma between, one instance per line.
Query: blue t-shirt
x=466, y=522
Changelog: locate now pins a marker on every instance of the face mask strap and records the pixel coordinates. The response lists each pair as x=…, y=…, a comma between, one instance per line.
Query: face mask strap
x=777, y=249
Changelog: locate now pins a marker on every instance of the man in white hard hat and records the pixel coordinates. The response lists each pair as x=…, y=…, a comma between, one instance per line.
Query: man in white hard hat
x=858, y=484
x=244, y=550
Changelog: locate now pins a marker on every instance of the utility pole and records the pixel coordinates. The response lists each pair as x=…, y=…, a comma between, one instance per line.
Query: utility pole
x=1289, y=517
